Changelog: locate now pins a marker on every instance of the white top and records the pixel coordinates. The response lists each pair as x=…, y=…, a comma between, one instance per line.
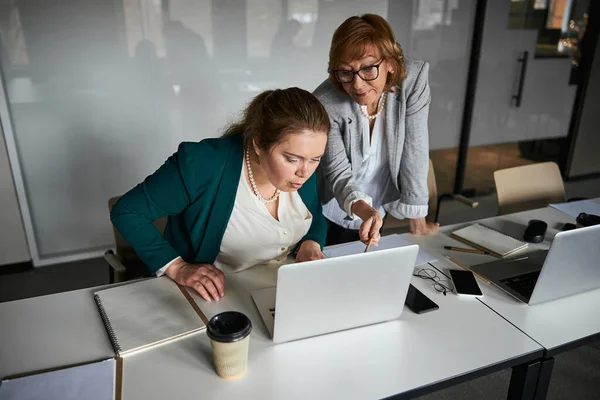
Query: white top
x=373, y=176
x=253, y=236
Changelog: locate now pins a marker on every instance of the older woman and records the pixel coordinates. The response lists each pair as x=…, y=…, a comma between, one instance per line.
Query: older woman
x=377, y=156
x=247, y=198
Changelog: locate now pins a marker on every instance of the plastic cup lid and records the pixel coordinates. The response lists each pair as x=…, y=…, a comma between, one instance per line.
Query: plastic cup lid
x=229, y=326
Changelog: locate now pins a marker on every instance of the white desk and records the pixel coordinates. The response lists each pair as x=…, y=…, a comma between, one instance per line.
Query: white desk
x=556, y=325
x=413, y=355
x=51, y=331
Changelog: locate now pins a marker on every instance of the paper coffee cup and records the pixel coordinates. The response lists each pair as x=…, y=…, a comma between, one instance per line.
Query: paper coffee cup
x=229, y=334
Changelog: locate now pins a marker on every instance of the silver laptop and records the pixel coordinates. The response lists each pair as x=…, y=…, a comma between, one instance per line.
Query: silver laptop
x=334, y=294
x=571, y=266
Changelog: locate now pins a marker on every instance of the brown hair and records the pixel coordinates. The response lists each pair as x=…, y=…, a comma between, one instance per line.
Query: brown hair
x=352, y=38
x=273, y=114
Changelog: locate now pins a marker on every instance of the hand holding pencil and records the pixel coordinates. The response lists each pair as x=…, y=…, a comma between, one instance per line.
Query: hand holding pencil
x=372, y=223
x=373, y=241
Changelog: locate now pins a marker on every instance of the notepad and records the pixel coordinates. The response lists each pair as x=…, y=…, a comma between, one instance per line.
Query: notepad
x=147, y=313
x=488, y=239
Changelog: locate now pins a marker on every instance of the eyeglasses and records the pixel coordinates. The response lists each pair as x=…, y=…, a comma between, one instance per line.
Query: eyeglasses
x=369, y=73
x=441, y=285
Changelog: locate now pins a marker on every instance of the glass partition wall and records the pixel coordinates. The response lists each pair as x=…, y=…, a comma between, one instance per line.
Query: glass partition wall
x=526, y=86
x=99, y=93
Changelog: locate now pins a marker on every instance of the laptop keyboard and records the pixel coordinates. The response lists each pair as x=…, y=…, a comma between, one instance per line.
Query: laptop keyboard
x=523, y=284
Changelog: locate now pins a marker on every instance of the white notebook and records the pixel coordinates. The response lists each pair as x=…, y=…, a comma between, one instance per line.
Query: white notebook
x=147, y=313
x=488, y=239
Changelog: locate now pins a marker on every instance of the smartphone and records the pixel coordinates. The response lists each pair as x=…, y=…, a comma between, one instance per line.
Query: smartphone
x=418, y=302
x=465, y=283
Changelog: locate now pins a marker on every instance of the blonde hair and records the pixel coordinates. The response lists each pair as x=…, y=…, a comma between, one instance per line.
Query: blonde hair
x=273, y=114
x=355, y=35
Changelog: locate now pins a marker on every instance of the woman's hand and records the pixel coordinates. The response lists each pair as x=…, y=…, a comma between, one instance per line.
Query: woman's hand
x=372, y=222
x=309, y=251
x=207, y=280
x=419, y=226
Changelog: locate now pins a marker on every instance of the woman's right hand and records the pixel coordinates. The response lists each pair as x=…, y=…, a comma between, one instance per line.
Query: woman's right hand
x=372, y=222
x=205, y=279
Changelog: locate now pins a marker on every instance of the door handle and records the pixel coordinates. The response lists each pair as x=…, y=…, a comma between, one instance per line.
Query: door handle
x=519, y=96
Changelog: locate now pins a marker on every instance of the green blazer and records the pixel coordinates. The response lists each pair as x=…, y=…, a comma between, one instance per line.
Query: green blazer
x=196, y=188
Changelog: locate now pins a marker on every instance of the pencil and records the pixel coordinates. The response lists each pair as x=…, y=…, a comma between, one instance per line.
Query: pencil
x=368, y=245
x=464, y=250
x=486, y=281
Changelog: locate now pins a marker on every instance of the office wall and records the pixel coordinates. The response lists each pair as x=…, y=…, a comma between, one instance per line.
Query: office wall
x=101, y=92
x=547, y=97
x=13, y=245
x=439, y=32
x=585, y=156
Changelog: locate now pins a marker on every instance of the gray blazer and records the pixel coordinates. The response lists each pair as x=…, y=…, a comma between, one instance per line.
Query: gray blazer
x=406, y=109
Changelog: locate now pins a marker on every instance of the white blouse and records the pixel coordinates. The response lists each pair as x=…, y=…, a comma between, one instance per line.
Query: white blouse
x=253, y=236
x=373, y=176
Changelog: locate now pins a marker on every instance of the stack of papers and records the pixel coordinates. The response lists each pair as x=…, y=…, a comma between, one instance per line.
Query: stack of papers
x=488, y=239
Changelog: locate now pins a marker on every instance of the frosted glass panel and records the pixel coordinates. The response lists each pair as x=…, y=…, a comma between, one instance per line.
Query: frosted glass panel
x=102, y=92
x=440, y=32
x=546, y=98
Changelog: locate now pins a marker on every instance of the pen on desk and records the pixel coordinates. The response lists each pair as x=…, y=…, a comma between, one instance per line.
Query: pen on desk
x=486, y=281
x=474, y=251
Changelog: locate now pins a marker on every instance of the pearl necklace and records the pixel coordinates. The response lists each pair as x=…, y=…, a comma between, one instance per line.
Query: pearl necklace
x=254, y=188
x=363, y=109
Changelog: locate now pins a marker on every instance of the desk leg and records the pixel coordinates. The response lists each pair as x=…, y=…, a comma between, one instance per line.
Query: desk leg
x=531, y=381
x=523, y=381
x=546, y=367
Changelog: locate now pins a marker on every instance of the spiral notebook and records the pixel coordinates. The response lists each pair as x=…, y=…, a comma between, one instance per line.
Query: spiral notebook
x=485, y=238
x=147, y=313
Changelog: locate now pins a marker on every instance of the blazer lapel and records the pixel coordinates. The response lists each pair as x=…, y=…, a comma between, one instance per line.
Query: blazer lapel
x=222, y=205
x=393, y=133
x=355, y=137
